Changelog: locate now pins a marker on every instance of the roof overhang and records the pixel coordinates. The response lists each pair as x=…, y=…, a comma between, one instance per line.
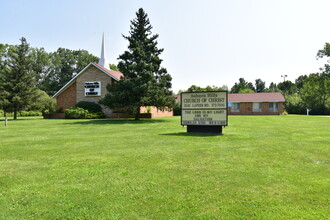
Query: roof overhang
x=259, y=101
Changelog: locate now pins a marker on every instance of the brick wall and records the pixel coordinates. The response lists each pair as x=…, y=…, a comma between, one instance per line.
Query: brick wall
x=246, y=108
x=281, y=107
x=67, y=98
x=125, y=115
x=93, y=74
x=144, y=113
x=156, y=113
x=54, y=115
x=76, y=93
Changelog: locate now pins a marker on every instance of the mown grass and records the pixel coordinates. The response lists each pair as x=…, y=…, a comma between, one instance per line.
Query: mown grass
x=263, y=167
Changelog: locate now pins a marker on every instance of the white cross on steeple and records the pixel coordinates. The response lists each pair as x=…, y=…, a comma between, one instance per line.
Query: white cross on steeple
x=103, y=60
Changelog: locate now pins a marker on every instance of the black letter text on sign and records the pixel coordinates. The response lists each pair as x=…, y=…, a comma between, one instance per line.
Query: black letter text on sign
x=206, y=111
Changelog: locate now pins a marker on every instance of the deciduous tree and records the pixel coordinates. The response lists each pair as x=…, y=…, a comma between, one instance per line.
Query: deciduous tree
x=325, y=52
x=272, y=88
x=260, y=85
x=242, y=84
x=42, y=102
x=300, y=81
x=246, y=91
x=287, y=87
x=195, y=88
x=315, y=92
x=64, y=65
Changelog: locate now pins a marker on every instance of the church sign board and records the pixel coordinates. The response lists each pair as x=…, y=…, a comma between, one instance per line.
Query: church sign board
x=92, y=88
x=204, y=111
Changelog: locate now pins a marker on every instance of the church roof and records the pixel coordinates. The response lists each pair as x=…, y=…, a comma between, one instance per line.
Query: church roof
x=112, y=73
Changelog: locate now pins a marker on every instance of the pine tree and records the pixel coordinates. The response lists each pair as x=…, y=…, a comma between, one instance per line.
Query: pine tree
x=145, y=82
x=17, y=81
x=3, y=51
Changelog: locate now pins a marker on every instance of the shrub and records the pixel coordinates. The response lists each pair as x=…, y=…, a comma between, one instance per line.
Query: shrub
x=80, y=113
x=22, y=113
x=176, y=109
x=90, y=106
x=43, y=102
x=29, y=113
x=76, y=113
x=149, y=109
x=294, y=104
x=92, y=115
x=59, y=110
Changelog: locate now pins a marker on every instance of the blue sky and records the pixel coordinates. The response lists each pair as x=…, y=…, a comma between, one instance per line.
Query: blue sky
x=210, y=42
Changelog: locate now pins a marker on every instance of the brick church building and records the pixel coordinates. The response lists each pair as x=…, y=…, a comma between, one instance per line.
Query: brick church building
x=90, y=85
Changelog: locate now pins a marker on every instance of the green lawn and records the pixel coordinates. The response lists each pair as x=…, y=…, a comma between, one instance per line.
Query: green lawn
x=263, y=167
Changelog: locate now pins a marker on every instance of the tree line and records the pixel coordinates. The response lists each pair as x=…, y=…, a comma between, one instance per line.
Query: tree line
x=50, y=71
x=29, y=76
x=306, y=92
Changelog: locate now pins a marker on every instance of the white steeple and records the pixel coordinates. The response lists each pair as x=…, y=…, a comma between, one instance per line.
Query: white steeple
x=103, y=60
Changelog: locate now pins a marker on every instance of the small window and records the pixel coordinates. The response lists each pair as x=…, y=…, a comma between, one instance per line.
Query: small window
x=257, y=107
x=235, y=107
x=273, y=107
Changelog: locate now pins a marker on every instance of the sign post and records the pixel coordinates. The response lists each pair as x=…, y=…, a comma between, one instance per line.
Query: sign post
x=204, y=112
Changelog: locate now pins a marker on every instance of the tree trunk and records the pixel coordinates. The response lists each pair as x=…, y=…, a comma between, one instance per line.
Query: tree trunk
x=15, y=114
x=137, y=115
x=6, y=120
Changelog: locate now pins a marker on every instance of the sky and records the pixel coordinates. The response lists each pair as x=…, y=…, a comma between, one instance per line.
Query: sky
x=210, y=42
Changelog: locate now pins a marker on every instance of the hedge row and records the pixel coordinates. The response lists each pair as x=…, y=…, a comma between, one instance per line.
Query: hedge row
x=80, y=113
x=22, y=113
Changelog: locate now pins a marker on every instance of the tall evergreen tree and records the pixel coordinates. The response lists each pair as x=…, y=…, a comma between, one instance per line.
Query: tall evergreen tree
x=145, y=82
x=17, y=81
x=3, y=50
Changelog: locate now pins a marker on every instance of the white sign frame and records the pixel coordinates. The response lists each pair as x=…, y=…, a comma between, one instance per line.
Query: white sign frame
x=204, y=108
x=92, y=88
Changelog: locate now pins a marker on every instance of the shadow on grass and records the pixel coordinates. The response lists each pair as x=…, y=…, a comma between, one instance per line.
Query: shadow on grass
x=185, y=134
x=113, y=121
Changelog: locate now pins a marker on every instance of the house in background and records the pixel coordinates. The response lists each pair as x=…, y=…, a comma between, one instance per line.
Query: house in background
x=256, y=103
x=90, y=85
